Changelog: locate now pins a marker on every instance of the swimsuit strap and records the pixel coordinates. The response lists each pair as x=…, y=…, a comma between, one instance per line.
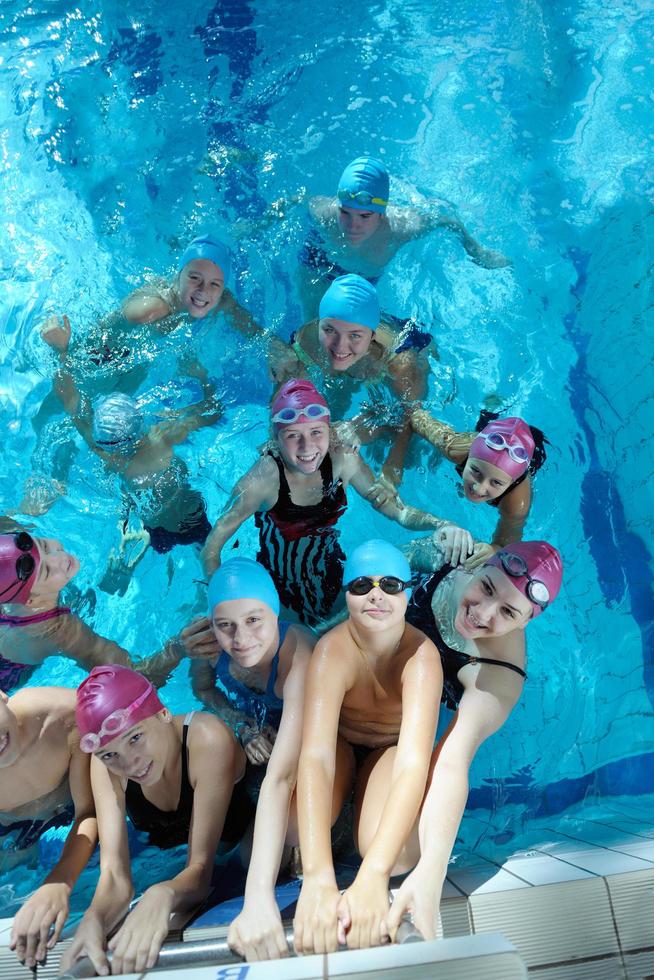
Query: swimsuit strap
x=497, y=663
x=35, y=617
x=327, y=474
x=274, y=667
x=284, y=490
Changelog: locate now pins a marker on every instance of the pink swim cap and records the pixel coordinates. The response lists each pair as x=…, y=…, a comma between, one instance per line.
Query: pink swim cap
x=17, y=572
x=506, y=443
x=535, y=568
x=298, y=401
x=109, y=701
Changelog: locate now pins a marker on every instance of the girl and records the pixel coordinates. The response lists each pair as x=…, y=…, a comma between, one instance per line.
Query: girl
x=257, y=683
x=297, y=490
x=478, y=623
x=174, y=776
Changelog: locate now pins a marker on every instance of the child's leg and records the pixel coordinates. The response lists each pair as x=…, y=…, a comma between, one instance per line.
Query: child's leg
x=342, y=785
x=370, y=799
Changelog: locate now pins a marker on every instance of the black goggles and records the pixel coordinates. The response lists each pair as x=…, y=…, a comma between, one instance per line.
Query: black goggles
x=387, y=583
x=25, y=563
x=516, y=567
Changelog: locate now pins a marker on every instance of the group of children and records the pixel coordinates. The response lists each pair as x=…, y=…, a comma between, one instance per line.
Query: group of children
x=322, y=674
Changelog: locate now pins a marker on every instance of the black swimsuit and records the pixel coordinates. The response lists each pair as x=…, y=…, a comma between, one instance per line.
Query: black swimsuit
x=298, y=544
x=419, y=613
x=168, y=828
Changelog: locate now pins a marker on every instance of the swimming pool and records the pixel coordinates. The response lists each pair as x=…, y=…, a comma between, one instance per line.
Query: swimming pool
x=123, y=132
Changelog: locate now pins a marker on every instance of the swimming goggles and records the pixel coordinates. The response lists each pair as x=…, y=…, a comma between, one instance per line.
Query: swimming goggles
x=518, y=453
x=287, y=415
x=114, y=724
x=516, y=567
x=361, y=197
x=25, y=563
x=387, y=583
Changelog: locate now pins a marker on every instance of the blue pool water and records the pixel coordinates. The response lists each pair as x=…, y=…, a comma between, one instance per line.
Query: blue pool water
x=127, y=128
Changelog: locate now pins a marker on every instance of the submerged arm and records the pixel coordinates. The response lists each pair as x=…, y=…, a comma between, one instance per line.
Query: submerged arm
x=248, y=496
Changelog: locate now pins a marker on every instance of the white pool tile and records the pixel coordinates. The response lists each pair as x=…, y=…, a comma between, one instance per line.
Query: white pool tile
x=483, y=878
x=541, y=869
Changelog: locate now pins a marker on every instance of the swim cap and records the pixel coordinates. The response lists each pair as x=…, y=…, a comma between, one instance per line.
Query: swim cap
x=107, y=704
x=13, y=548
x=208, y=247
x=242, y=578
x=377, y=557
x=353, y=299
x=116, y=419
x=514, y=432
x=364, y=185
x=296, y=395
x=543, y=564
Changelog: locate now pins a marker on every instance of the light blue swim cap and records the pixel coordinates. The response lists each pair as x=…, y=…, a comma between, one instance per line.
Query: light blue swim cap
x=377, y=557
x=116, y=420
x=364, y=185
x=208, y=247
x=242, y=578
x=353, y=299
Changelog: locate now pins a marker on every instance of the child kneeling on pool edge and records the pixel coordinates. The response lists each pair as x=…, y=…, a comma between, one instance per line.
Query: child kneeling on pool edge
x=373, y=692
x=175, y=776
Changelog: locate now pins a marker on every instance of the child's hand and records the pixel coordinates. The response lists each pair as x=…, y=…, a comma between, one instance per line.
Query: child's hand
x=56, y=334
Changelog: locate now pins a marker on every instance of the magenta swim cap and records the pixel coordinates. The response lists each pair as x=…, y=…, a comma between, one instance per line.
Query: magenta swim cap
x=506, y=443
x=19, y=566
x=298, y=401
x=535, y=568
x=109, y=701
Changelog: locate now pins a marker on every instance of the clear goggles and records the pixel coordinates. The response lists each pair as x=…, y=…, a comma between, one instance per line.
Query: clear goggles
x=286, y=416
x=516, y=567
x=517, y=452
x=115, y=723
x=387, y=583
x=360, y=197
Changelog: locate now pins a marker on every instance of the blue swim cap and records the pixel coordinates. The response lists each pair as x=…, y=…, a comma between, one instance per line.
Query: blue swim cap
x=377, y=557
x=364, y=185
x=116, y=420
x=353, y=299
x=208, y=247
x=242, y=578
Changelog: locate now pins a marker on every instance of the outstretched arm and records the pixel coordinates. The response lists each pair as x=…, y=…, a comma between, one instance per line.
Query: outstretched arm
x=248, y=496
x=257, y=932
x=486, y=704
x=414, y=224
x=456, y=542
x=206, y=412
x=48, y=907
x=327, y=682
x=453, y=445
x=241, y=318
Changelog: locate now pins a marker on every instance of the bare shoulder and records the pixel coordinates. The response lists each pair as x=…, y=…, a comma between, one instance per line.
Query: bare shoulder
x=53, y=704
x=417, y=645
x=517, y=501
x=207, y=732
x=334, y=654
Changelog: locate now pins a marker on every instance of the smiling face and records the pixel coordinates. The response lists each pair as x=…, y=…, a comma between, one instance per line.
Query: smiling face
x=483, y=481
x=344, y=343
x=303, y=445
x=491, y=606
x=201, y=286
x=357, y=226
x=246, y=629
x=139, y=753
x=376, y=611
x=56, y=570
x=9, y=740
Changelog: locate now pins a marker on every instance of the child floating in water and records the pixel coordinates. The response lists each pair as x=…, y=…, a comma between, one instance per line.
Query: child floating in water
x=297, y=492
x=154, y=478
x=257, y=683
x=348, y=348
x=478, y=623
x=372, y=701
x=45, y=783
x=496, y=466
x=174, y=776
x=357, y=231
x=34, y=625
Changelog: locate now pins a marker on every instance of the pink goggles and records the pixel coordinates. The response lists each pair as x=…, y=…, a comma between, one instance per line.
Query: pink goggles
x=288, y=415
x=115, y=723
